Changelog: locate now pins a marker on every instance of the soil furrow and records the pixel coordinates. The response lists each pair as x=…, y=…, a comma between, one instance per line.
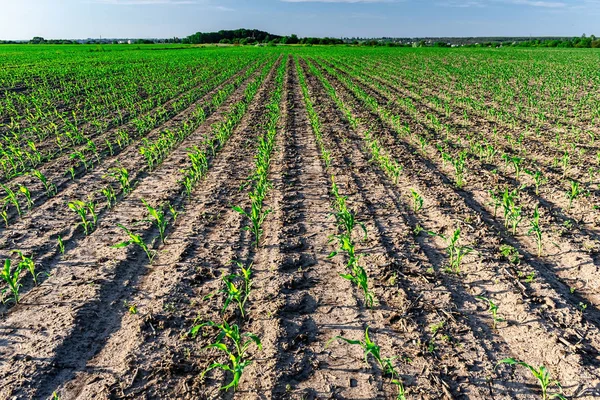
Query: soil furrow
x=566, y=258
x=38, y=231
x=424, y=180
x=94, y=278
x=57, y=170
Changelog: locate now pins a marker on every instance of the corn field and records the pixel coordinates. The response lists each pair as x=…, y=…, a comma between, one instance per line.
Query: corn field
x=299, y=223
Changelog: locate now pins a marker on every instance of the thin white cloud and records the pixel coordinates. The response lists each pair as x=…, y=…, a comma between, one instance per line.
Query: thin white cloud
x=546, y=4
x=145, y=2
x=480, y=3
x=462, y=4
x=341, y=1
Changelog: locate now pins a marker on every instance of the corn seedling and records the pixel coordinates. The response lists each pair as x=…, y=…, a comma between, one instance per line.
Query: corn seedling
x=27, y=194
x=455, y=251
x=369, y=347
x=538, y=180
x=158, y=218
x=235, y=351
x=459, y=168
x=543, y=377
x=173, y=211
x=49, y=187
x=81, y=208
x=256, y=216
x=493, y=309
x=417, y=200
x=359, y=277
x=386, y=364
x=233, y=294
x=61, y=245
x=4, y=216
x=27, y=263
x=564, y=162
x=497, y=200
x=11, y=198
x=515, y=161
x=510, y=253
x=536, y=231
x=573, y=192
x=136, y=240
x=515, y=217
x=111, y=196
x=91, y=207
x=121, y=175
x=12, y=279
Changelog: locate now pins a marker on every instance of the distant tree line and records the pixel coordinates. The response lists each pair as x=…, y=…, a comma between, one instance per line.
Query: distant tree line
x=576, y=42
x=247, y=36
x=39, y=40
x=255, y=36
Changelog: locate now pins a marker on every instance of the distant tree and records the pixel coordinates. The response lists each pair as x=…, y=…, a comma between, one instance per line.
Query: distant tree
x=292, y=39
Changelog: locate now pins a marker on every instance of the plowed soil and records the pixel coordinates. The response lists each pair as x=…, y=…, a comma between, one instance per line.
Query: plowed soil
x=75, y=334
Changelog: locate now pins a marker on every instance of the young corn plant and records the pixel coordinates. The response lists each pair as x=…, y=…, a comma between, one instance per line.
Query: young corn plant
x=516, y=163
x=459, y=168
x=27, y=194
x=257, y=216
x=27, y=263
x=111, y=196
x=82, y=208
x=60, y=244
x=493, y=309
x=359, y=277
x=11, y=198
x=244, y=275
x=417, y=200
x=386, y=364
x=237, y=293
x=12, y=280
x=347, y=222
x=538, y=180
x=4, y=216
x=233, y=294
x=536, y=231
x=173, y=211
x=369, y=347
x=515, y=217
x=236, y=350
x=497, y=200
x=512, y=212
x=158, y=218
x=136, y=240
x=564, y=162
x=49, y=187
x=542, y=375
x=121, y=175
x=455, y=251
x=573, y=192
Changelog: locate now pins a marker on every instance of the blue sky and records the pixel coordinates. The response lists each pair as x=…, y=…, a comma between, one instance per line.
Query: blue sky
x=23, y=19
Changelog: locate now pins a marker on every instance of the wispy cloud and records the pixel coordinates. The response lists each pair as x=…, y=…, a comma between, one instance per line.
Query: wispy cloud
x=341, y=1
x=483, y=3
x=145, y=2
x=546, y=4
x=222, y=8
x=462, y=4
